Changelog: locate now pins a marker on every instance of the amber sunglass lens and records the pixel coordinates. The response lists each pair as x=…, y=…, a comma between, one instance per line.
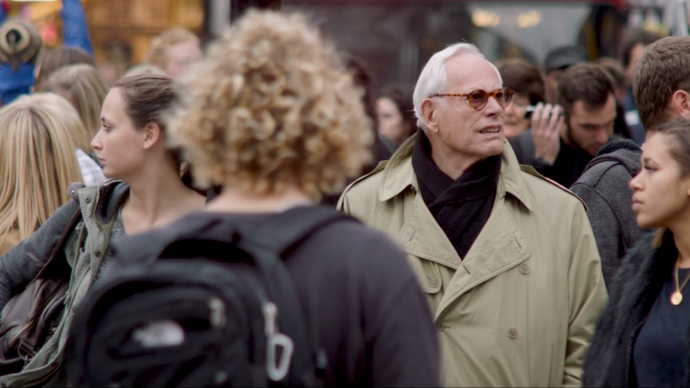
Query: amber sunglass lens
x=478, y=99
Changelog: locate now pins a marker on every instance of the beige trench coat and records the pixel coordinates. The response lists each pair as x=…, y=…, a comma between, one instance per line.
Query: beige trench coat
x=520, y=309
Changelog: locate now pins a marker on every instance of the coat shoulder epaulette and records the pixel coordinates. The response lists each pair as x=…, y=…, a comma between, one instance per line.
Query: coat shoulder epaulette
x=531, y=171
x=380, y=167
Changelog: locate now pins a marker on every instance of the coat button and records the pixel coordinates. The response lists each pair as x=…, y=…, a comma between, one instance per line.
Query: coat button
x=441, y=327
x=524, y=268
x=98, y=253
x=432, y=282
x=512, y=333
x=87, y=199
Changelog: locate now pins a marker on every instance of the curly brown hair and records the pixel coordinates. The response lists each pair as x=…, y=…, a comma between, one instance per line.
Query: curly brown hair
x=271, y=107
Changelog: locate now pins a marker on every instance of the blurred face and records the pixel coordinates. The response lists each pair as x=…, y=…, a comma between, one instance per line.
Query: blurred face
x=514, y=116
x=660, y=192
x=390, y=120
x=455, y=125
x=591, y=129
x=118, y=145
x=635, y=55
x=181, y=56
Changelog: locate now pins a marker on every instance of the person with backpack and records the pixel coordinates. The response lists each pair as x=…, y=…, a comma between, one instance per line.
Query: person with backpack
x=263, y=288
x=72, y=246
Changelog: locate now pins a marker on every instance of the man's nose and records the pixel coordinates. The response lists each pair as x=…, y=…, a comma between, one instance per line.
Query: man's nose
x=493, y=107
x=602, y=136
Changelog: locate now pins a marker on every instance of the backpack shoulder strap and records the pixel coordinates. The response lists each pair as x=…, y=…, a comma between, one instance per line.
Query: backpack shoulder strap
x=284, y=231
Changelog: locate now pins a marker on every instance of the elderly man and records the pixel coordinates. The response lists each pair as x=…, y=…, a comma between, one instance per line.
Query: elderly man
x=507, y=258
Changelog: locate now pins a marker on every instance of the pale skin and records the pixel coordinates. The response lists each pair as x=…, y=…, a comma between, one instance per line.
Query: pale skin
x=236, y=201
x=157, y=194
x=589, y=129
x=181, y=56
x=514, y=116
x=457, y=132
x=635, y=55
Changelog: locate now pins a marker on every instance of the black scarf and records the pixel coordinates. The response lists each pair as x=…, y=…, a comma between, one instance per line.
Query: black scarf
x=462, y=207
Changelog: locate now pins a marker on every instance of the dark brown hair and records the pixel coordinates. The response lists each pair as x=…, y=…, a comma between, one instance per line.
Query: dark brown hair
x=615, y=70
x=402, y=98
x=148, y=100
x=52, y=60
x=663, y=69
x=523, y=78
x=633, y=38
x=678, y=132
x=586, y=82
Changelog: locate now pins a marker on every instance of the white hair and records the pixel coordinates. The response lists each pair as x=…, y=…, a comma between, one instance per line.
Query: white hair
x=434, y=79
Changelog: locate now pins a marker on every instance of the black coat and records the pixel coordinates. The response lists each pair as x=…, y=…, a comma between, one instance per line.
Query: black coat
x=638, y=283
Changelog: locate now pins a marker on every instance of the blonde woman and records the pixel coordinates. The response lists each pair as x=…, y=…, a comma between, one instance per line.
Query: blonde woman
x=85, y=89
x=274, y=117
x=90, y=170
x=37, y=164
x=174, y=51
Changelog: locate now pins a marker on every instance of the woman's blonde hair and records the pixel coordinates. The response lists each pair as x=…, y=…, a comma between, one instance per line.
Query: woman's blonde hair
x=272, y=106
x=84, y=87
x=158, y=52
x=61, y=108
x=37, y=165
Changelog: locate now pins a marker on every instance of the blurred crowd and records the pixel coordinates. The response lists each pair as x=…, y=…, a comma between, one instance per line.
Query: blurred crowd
x=256, y=213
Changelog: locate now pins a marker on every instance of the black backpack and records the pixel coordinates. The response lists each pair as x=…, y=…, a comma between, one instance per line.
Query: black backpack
x=203, y=313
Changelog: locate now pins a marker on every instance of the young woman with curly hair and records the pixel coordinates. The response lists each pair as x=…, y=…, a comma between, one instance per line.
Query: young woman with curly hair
x=273, y=116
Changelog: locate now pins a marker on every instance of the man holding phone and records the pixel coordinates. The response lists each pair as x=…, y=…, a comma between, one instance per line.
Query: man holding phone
x=565, y=137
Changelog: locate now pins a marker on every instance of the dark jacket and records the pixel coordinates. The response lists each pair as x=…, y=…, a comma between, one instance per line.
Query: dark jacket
x=360, y=295
x=609, y=362
x=84, y=251
x=566, y=169
x=604, y=186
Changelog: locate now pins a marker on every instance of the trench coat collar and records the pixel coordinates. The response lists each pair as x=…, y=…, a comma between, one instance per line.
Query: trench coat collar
x=399, y=175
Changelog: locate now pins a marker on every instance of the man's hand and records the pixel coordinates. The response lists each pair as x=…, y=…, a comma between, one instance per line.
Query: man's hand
x=547, y=125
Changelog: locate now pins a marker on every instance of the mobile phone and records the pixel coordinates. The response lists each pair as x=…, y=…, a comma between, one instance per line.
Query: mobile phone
x=530, y=111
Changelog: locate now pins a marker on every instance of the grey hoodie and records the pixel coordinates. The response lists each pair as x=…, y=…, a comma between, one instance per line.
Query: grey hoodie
x=604, y=186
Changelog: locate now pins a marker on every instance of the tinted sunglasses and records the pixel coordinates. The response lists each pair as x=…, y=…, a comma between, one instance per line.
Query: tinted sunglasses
x=479, y=98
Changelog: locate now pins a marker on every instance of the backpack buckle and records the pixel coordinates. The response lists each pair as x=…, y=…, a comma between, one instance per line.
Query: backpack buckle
x=276, y=369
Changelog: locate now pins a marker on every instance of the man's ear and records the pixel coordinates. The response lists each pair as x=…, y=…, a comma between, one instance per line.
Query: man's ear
x=152, y=135
x=680, y=104
x=430, y=114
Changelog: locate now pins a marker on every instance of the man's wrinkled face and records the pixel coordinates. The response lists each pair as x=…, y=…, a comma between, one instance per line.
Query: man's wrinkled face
x=477, y=134
x=591, y=128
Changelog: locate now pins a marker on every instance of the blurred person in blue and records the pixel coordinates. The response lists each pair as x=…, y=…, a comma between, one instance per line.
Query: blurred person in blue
x=21, y=47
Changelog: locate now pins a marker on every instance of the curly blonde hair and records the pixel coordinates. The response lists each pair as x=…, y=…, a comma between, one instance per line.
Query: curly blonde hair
x=272, y=107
